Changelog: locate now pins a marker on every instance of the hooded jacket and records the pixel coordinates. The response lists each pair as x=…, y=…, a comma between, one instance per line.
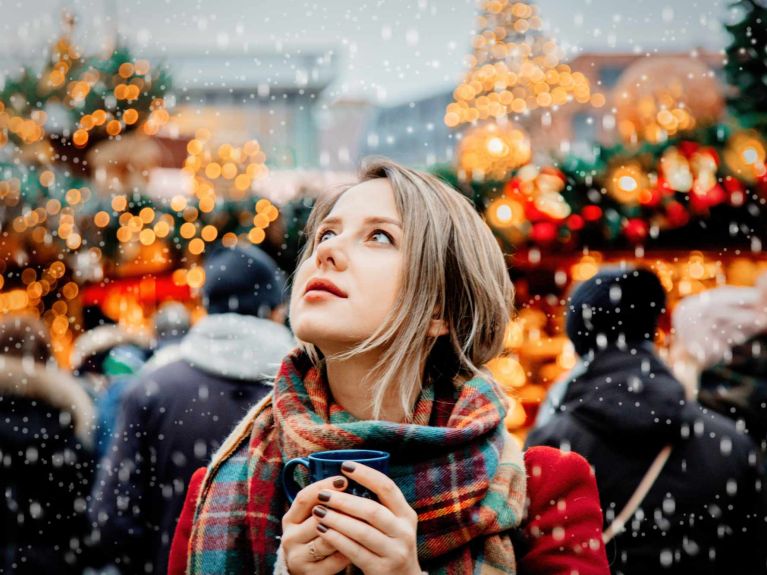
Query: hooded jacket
x=46, y=421
x=705, y=512
x=171, y=421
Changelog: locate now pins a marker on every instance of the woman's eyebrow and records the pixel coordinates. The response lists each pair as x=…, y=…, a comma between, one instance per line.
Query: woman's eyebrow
x=369, y=220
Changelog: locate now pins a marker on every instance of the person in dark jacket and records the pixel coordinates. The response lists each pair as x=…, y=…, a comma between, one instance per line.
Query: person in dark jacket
x=174, y=418
x=705, y=513
x=46, y=421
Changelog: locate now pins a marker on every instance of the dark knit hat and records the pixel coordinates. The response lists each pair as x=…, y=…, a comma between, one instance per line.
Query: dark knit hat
x=614, y=307
x=243, y=280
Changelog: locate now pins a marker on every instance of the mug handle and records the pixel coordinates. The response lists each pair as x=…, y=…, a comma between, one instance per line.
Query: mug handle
x=289, y=483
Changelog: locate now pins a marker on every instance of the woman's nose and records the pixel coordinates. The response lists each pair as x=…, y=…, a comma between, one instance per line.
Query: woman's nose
x=331, y=253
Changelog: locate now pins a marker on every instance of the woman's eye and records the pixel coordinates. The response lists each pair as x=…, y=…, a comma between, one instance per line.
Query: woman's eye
x=323, y=235
x=381, y=234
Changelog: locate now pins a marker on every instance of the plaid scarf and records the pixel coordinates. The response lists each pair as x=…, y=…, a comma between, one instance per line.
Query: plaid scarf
x=455, y=463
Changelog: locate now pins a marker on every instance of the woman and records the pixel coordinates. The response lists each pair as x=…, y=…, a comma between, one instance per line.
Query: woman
x=400, y=297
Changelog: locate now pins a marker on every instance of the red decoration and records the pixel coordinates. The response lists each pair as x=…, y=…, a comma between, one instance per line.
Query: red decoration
x=701, y=202
x=591, y=213
x=688, y=148
x=635, y=230
x=575, y=222
x=543, y=232
x=676, y=214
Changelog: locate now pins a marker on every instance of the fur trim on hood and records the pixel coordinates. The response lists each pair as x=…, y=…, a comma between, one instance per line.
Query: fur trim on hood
x=26, y=378
x=104, y=338
x=237, y=346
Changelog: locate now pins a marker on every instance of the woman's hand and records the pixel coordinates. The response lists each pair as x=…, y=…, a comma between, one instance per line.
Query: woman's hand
x=379, y=538
x=305, y=552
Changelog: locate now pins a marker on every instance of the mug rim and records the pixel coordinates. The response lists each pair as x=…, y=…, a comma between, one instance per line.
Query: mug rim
x=374, y=455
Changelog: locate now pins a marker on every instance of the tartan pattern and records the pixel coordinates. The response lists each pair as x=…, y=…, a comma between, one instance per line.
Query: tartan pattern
x=455, y=463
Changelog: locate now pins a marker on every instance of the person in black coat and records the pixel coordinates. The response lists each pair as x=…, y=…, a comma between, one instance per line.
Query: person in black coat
x=46, y=422
x=705, y=513
x=173, y=418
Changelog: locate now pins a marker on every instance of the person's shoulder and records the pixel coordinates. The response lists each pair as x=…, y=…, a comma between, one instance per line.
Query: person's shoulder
x=713, y=426
x=555, y=463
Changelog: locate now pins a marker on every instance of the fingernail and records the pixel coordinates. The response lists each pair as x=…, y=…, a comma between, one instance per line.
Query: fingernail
x=321, y=528
x=348, y=466
x=320, y=511
x=324, y=496
x=339, y=483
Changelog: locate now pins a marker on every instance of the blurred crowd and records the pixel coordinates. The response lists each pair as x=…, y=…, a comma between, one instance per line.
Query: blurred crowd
x=96, y=461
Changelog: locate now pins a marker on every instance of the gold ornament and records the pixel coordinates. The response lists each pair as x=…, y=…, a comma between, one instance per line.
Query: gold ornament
x=662, y=96
x=745, y=156
x=492, y=151
x=627, y=182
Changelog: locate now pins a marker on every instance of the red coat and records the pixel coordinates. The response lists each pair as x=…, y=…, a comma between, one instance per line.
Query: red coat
x=562, y=530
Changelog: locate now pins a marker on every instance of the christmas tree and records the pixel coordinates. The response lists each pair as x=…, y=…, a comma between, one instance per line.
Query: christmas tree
x=514, y=68
x=746, y=65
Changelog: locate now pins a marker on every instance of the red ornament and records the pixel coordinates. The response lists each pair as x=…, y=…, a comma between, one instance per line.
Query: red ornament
x=636, y=230
x=543, y=232
x=591, y=213
x=512, y=190
x=676, y=214
x=575, y=222
x=688, y=148
x=651, y=197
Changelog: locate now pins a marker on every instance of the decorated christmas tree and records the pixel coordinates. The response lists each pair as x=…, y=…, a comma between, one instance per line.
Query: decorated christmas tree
x=746, y=65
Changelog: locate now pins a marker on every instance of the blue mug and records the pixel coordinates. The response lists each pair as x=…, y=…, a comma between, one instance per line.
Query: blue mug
x=328, y=464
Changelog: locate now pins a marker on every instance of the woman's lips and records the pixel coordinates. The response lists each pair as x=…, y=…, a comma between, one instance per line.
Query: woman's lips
x=319, y=295
x=324, y=285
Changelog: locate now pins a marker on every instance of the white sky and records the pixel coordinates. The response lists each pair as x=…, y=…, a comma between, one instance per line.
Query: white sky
x=391, y=50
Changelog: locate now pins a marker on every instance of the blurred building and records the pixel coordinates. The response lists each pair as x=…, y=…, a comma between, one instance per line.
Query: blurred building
x=270, y=96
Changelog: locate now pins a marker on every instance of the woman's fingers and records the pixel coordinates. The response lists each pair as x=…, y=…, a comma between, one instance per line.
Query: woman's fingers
x=330, y=565
x=368, y=510
x=300, y=533
x=317, y=549
x=363, y=533
x=307, y=498
x=387, y=491
x=353, y=551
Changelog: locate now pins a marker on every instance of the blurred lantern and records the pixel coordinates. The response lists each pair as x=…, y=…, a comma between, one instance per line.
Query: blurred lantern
x=659, y=97
x=627, y=182
x=508, y=372
x=586, y=267
x=505, y=213
x=492, y=151
x=745, y=156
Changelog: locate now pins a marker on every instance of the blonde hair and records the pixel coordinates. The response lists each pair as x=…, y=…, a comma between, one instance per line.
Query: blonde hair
x=454, y=270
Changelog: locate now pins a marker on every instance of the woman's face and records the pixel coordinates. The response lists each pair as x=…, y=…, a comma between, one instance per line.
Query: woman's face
x=358, y=250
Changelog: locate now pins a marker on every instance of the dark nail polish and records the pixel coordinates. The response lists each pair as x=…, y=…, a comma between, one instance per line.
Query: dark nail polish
x=339, y=483
x=321, y=528
x=324, y=496
x=348, y=466
x=320, y=511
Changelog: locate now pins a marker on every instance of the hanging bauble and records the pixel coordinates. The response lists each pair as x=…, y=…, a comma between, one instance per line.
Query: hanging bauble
x=505, y=213
x=492, y=151
x=745, y=156
x=659, y=97
x=626, y=183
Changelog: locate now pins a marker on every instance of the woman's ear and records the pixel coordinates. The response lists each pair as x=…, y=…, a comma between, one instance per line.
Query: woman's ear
x=437, y=327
